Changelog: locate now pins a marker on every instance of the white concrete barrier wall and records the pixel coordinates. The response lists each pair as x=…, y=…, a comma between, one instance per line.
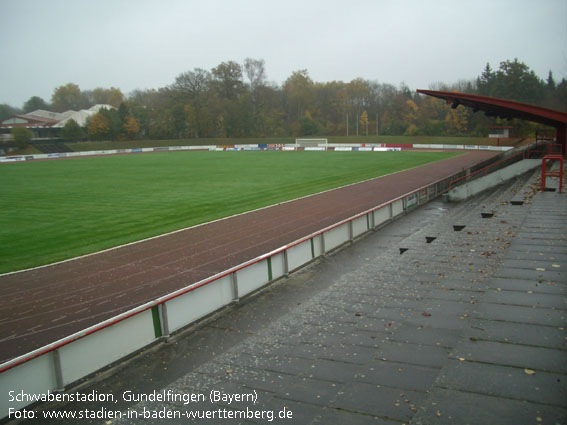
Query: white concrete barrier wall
x=34, y=377
x=277, y=265
x=317, y=245
x=252, y=278
x=493, y=179
x=360, y=225
x=299, y=255
x=336, y=237
x=411, y=201
x=397, y=208
x=381, y=216
x=196, y=304
x=84, y=356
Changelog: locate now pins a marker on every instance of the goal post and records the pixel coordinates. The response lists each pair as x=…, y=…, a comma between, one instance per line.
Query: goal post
x=312, y=144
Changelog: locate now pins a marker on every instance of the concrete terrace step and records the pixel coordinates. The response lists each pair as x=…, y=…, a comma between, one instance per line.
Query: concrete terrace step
x=466, y=215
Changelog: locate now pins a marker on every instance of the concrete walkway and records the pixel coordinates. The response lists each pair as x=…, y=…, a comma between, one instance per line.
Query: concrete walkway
x=454, y=314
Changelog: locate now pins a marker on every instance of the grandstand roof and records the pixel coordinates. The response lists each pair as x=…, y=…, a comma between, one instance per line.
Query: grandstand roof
x=502, y=108
x=508, y=109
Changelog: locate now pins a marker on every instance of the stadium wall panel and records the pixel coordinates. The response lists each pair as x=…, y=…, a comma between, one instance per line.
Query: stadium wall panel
x=397, y=208
x=360, y=225
x=36, y=376
x=277, y=265
x=336, y=237
x=252, y=277
x=193, y=305
x=316, y=246
x=299, y=255
x=381, y=216
x=89, y=354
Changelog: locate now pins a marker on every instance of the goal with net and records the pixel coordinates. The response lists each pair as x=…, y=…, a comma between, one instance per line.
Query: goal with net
x=312, y=144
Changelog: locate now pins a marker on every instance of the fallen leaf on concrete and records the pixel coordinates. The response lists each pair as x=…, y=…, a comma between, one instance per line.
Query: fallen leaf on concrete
x=426, y=314
x=529, y=372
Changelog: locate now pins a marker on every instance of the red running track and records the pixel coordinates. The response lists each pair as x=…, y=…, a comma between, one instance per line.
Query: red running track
x=43, y=305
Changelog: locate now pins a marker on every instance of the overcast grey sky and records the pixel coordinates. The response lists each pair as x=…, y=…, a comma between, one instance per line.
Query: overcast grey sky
x=145, y=44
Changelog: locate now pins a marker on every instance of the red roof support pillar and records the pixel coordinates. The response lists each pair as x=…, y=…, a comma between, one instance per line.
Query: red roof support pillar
x=562, y=138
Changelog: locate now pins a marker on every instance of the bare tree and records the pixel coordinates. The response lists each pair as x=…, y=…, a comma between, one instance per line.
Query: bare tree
x=255, y=72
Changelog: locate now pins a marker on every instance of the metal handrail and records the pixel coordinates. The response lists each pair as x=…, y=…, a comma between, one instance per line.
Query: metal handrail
x=548, y=151
x=486, y=169
x=525, y=154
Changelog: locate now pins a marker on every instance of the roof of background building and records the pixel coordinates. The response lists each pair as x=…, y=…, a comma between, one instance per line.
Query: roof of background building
x=45, y=118
x=81, y=117
x=27, y=120
x=56, y=116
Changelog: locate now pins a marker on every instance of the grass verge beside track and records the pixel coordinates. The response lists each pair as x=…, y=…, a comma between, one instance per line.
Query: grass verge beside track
x=54, y=210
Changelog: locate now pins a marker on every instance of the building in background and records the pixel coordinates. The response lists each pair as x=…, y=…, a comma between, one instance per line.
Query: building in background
x=499, y=132
x=46, y=125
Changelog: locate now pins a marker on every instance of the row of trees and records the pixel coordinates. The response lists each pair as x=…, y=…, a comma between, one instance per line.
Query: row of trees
x=237, y=100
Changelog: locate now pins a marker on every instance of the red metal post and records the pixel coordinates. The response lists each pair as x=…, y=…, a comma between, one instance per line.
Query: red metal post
x=545, y=173
x=562, y=139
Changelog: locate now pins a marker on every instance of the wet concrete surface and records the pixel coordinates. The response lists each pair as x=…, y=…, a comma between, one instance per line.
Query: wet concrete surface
x=466, y=328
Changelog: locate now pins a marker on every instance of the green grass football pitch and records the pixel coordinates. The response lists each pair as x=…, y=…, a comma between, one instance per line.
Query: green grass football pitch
x=54, y=210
